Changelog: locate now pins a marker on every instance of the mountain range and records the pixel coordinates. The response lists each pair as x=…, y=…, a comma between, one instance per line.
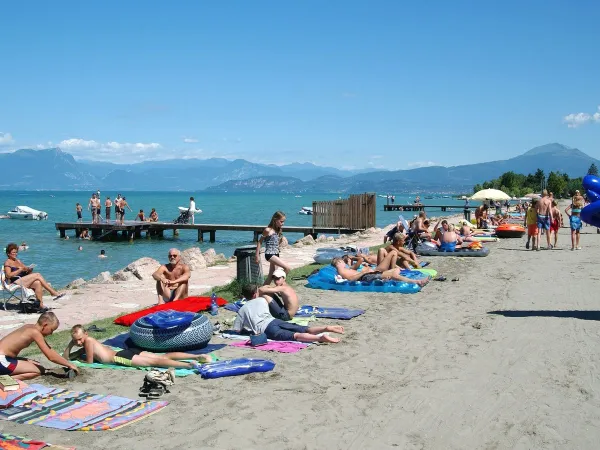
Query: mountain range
x=53, y=169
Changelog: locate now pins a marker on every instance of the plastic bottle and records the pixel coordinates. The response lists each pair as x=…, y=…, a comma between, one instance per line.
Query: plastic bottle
x=214, y=307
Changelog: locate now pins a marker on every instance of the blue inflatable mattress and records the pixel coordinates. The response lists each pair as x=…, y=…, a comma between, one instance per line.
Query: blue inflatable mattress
x=325, y=279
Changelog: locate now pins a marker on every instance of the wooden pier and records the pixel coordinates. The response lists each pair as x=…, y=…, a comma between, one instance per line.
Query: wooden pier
x=131, y=229
x=421, y=207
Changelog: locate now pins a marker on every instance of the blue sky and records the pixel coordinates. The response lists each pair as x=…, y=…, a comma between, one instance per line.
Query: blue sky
x=341, y=83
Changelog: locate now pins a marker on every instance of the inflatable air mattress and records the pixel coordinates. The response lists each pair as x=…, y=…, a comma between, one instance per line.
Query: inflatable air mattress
x=426, y=250
x=510, y=231
x=240, y=366
x=325, y=279
x=146, y=335
x=591, y=213
x=325, y=255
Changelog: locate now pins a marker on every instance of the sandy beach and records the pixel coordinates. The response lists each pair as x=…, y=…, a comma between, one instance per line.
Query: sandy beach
x=502, y=359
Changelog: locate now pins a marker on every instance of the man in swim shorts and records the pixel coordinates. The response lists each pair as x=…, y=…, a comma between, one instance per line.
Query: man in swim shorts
x=367, y=274
x=405, y=257
x=255, y=318
x=130, y=357
x=282, y=299
x=544, y=217
x=12, y=344
x=172, y=279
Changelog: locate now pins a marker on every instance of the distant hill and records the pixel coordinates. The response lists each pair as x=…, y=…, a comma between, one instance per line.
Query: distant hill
x=56, y=170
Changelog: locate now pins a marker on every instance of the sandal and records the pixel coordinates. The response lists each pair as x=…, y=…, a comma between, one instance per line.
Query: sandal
x=440, y=278
x=96, y=329
x=59, y=296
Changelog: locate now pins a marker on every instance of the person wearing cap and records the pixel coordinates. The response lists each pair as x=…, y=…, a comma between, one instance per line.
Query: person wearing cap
x=282, y=299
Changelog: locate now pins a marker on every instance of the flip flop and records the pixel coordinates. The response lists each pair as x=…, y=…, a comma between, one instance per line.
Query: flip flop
x=61, y=295
x=456, y=279
x=96, y=329
x=425, y=264
x=440, y=278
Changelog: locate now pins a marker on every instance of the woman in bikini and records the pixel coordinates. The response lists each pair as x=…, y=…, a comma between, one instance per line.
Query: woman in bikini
x=574, y=209
x=271, y=237
x=19, y=273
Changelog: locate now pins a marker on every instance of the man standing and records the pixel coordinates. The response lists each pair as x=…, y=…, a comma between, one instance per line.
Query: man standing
x=543, y=209
x=192, y=209
x=467, y=211
x=172, y=279
x=107, y=205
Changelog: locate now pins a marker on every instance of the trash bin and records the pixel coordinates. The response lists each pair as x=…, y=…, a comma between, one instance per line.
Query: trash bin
x=467, y=214
x=247, y=268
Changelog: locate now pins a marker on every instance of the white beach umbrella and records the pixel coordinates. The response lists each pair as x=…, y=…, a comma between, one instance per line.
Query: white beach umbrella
x=490, y=194
x=532, y=195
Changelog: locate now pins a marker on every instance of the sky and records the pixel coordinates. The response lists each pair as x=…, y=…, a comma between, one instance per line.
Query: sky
x=348, y=84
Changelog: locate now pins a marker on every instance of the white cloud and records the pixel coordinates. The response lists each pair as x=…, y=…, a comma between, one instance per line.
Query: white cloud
x=575, y=120
x=6, y=138
x=121, y=152
x=190, y=140
x=417, y=164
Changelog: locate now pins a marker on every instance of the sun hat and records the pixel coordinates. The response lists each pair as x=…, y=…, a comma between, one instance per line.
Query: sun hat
x=278, y=273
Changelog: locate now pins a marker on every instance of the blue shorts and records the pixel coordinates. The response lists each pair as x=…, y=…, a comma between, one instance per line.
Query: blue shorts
x=278, y=330
x=7, y=365
x=575, y=222
x=448, y=246
x=543, y=222
x=277, y=309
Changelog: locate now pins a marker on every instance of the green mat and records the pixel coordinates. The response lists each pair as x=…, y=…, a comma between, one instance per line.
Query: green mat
x=431, y=272
x=179, y=372
x=303, y=321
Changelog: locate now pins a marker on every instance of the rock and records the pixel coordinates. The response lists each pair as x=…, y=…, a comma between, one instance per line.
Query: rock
x=307, y=240
x=123, y=275
x=232, y=259
x=371, y=230
x=193, y=258
x=330, y=239
x=322, y=238
x=76, y=283
x=102, y=278
x=283, y=243
x=143, y=268
x=298, y=244
x=212, y=258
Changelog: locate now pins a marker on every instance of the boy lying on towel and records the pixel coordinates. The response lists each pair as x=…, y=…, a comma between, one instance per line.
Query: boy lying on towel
x=12, y=344
x=368, y=275
x=132, y=357
x=254, y=317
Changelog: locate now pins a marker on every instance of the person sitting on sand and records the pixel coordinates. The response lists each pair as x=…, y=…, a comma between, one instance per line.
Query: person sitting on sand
x=368, y=275
x=94, y=351
x=398, y=228
x=255, y=318
x=18, y=273
x=404, y=257
x=13, y=343
x=282, y=299
x=449, y=240
x=172, y=279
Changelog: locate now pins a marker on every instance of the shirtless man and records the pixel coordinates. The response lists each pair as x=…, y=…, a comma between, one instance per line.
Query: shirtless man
x=481, y=215
x=117, y=204
x=12, y=344
x=130, y=357
x=368, y=274
x=406, y=257
x=282, y=299
x=543, y=209
x=93, y=206
x=419, y=226
x=172, y=279
x=141, y=216
x=107, y=206
x=449, y=240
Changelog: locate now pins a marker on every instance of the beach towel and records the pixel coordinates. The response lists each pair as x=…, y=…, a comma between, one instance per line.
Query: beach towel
x=191, y=304
x=328, y=313
x=10, y=442
x=81, y=411
x=274, y=346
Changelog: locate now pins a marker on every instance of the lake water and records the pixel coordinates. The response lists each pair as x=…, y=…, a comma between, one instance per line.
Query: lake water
x=60, y=261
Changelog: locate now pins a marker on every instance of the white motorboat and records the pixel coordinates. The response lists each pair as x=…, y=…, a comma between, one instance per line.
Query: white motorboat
x=27, y=213
x=307, y=210
x=183, y=208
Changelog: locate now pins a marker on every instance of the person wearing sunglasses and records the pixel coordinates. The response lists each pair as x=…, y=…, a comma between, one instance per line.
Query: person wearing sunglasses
x=172, y=279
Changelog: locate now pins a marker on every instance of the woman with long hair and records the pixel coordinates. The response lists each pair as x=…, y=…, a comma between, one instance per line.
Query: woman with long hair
x=271, y=236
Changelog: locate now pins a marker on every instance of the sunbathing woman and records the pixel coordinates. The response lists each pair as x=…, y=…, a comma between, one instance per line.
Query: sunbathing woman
x=271, y=237
x=367, y=274
x=19, y=273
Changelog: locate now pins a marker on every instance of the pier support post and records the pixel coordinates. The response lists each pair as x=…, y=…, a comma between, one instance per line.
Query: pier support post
x=212, y=234
x=256, y=234
x=200, y=235
x=138, y=234
x=62, y=233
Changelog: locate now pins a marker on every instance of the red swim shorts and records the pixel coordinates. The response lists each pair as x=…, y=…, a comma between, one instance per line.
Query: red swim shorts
x=555, y=226
x=532, y=229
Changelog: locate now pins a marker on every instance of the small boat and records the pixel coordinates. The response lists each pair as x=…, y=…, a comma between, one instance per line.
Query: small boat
x=27, y=213
x=183, y=208
x=307, y=210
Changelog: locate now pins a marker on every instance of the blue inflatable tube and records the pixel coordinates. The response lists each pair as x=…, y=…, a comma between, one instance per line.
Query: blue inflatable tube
x=325, y=279
x=591, y=213
x=240, y=366
x=170, y=318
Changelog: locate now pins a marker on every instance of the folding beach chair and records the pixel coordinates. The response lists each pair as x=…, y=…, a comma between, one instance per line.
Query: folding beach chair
x=25, y=296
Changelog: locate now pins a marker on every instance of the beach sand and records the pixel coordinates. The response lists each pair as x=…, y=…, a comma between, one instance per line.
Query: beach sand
x=503, y=358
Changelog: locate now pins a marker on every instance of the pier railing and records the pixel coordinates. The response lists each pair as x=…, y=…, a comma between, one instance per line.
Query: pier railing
x=356, y=212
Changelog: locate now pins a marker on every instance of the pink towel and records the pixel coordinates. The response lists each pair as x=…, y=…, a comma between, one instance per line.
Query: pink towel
x=274, y=346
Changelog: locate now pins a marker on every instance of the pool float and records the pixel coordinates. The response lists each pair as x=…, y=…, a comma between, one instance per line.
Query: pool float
x=163, y=334
x=428, y=249
x=326, y=279
x=169, y=318
x=240, y=366
x=591, y=213
x=509, y=230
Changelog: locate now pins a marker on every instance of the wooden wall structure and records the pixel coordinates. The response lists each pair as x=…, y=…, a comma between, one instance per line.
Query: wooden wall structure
x=356, y=212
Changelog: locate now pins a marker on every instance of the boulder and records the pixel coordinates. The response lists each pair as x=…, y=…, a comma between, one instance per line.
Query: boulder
x=283, y=243
x=76, y=283
x=298, y=244
x=102, y=278
x=330, y=239
x=371, y=230
x=123, y=275
x=321, y=238
x=212, y=258
x=307, y=240
x=193, y=258
x=143, y=268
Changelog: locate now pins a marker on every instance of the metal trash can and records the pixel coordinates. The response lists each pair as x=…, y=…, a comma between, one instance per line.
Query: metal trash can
x=467, y=214
x=247, y=269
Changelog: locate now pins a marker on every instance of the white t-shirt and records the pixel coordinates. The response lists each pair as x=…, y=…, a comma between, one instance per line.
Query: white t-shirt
x=192, y=205
x=253, y=317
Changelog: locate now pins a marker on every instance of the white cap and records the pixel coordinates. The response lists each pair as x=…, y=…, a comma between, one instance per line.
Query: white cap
x=278, y=273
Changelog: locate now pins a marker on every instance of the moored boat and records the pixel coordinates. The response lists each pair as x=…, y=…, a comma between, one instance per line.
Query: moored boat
x=27, y=213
